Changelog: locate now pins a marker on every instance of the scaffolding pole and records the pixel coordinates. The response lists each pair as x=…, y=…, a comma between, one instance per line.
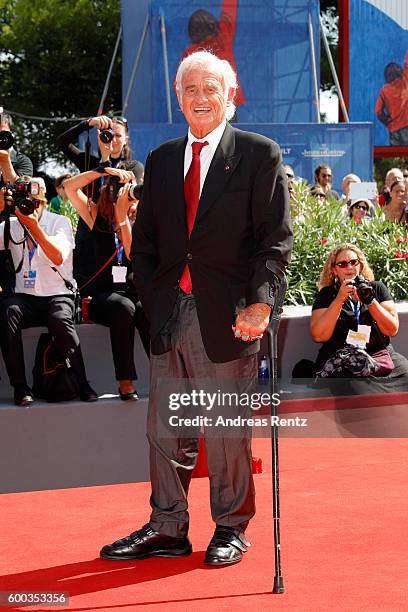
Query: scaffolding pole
x=135, y=65
x=108, y=76
x=314, y=69
x=166, y=67
x=334, y=72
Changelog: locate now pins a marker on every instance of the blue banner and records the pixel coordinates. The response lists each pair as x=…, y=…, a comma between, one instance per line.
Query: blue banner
x=378, y=68
x=267, y=41
x=345, y=147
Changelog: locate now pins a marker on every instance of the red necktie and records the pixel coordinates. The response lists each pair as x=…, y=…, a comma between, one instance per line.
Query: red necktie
x=191, y=196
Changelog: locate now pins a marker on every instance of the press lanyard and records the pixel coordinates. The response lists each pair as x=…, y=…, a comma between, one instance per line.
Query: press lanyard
x=119, y=254
x=357, y=311
x=31, y=255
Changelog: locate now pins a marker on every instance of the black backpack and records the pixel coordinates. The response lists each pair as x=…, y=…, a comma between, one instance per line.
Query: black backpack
x=53, y=377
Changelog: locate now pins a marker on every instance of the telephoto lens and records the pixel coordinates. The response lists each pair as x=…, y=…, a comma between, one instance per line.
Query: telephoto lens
x=364, y=290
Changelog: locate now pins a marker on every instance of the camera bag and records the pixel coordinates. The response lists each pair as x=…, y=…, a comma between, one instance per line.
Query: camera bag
x=53, y=377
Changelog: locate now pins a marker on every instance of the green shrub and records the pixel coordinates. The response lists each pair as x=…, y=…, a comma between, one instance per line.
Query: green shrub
x=318, y=227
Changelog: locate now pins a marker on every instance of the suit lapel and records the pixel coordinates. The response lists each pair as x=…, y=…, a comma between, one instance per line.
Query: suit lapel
x=175, y=179
x=222, y=166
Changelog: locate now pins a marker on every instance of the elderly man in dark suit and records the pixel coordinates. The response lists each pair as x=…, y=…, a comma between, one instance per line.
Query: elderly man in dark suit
x=211, y=240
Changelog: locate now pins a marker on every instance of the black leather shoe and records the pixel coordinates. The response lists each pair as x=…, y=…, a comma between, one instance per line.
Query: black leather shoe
x=126, y=397
x=23, y=396
x=226, y=546
x=146, y=543
x=87, y=394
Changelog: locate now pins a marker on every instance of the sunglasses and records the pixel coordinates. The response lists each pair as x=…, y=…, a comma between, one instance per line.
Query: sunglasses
x=360, y=207
x=346, y=264
x=326, y=175
x=291, y=176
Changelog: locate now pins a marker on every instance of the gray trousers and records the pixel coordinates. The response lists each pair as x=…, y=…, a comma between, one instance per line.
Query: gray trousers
x=173, y=458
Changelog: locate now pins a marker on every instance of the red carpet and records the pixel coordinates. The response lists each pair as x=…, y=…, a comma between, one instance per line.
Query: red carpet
x=344, y=539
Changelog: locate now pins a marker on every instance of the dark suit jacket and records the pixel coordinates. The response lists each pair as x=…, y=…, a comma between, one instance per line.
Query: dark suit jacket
x=240, y=243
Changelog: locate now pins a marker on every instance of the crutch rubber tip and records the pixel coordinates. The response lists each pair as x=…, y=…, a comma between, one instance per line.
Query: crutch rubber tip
x=278, y=585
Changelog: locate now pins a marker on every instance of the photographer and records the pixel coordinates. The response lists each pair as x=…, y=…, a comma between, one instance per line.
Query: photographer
x=12, y=163
x=352, y=307
x=114, y=301
x=113, y=143
x=38, y=241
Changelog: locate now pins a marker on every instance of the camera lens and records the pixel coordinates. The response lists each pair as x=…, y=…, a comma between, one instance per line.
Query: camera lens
x=6, y=140
x=26, y=206
x=106, y=135
x=364, y=289
x=135, y=191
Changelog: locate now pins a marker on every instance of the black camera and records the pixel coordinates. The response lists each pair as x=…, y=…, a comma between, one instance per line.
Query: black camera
x=17, y=196
x=106, y=135
x=364, y=290
x=114, y=185
x=6, y=140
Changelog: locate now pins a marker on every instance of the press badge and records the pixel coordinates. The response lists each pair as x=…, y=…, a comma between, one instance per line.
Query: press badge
x=29, y=279
x=119, y=274
x=359, y=338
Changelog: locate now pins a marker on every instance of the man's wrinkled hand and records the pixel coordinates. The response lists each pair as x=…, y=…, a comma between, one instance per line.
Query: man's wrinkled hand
x=251, y=322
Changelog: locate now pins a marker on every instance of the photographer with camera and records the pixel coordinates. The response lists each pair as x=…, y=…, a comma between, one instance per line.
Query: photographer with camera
x=114, y=302
x=41, y=245
x=113, y=143
x=12, y=163
x=354, y=316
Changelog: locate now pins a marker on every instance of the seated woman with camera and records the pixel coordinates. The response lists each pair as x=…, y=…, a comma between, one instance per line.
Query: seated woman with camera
x=114, y=301
x=354, y=316
x=41, y=245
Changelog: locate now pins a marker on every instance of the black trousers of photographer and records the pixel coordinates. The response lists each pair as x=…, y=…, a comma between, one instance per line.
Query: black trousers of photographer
x=22, y=311
x=121, y=313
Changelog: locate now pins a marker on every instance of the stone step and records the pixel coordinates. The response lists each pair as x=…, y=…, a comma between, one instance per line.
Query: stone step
x=72, y=444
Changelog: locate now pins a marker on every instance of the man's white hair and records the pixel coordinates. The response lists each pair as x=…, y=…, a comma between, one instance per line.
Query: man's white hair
x=349, y=178
x=208, y=61
x=389, y=177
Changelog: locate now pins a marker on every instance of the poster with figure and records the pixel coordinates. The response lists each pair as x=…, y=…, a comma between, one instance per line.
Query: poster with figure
x=206, y=32
x=378, y=68
x=266, y=41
